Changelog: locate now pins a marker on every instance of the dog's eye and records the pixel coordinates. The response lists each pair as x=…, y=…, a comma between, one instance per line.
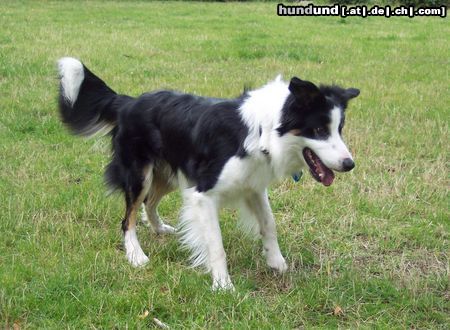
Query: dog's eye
x=320, y=131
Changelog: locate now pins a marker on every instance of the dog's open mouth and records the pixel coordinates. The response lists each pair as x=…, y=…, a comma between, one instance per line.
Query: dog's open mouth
x=318, y=169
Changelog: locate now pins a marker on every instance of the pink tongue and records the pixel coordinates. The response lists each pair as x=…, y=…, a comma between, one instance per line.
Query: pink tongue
x=328, y=178
x=328, y=175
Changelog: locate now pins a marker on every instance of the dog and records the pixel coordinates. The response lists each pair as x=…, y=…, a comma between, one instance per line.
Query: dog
x=218, y=152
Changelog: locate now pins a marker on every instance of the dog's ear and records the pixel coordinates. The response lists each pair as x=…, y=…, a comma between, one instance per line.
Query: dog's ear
x=351, y=93
x=304, y=91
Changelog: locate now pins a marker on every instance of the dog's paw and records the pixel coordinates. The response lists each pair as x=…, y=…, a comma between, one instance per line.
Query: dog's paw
x=137, y=258
x=165, y=229
x=277, y=263
x=222, y=284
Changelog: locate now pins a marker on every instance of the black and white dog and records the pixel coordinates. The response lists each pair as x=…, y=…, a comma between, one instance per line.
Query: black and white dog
x=217, y=151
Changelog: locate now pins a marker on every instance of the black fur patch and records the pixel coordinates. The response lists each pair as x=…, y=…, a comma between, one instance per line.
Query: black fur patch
x=194, y=134
x=96, y=106
x=308, y=108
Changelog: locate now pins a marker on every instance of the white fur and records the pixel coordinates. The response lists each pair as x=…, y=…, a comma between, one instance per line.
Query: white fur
x=133, y=249
x=262, y=110
x=71, y=72
x=259, y=206
x=241, y=181
x=282, y=154
x=199, y=226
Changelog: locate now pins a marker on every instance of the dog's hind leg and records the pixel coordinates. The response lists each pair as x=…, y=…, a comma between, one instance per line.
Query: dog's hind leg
x=200, y=232
x=258, y=204
x=138, y=184
x=150, y=216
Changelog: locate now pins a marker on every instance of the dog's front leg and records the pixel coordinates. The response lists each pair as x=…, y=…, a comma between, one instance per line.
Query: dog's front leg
x=201, y=233
x=258, y=204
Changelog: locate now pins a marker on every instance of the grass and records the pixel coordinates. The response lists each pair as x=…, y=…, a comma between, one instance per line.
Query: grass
x=375, y=244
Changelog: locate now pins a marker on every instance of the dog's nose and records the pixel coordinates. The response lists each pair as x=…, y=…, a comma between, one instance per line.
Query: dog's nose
x=348, y=164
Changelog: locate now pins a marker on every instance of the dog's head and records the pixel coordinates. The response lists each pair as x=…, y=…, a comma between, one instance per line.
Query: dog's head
x=315, y=116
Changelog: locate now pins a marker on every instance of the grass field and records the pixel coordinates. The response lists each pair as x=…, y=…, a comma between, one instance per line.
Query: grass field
x=372, y=250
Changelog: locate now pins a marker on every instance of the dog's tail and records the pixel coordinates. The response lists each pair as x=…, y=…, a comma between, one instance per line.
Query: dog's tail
x=86, y=104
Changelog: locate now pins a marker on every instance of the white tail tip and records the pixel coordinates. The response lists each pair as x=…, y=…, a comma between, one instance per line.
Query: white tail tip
x=71, y=72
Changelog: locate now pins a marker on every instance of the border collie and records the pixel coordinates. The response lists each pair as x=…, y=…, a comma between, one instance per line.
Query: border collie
x=217, y=151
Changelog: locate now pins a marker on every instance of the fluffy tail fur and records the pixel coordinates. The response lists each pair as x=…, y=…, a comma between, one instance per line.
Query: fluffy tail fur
x=87, y=105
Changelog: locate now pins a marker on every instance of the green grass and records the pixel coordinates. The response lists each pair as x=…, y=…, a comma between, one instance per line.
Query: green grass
x=375, y=243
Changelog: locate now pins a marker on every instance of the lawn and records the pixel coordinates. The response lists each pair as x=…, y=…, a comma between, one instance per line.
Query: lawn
x=372, y=250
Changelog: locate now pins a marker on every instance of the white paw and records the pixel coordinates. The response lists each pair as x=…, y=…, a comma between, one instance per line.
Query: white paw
x=133, y=249
x=165, y=229
x=137, y=257
x=278, y=263
x=222, y=284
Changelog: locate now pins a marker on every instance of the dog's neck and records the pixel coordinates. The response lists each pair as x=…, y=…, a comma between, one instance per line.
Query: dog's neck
x=261, y=112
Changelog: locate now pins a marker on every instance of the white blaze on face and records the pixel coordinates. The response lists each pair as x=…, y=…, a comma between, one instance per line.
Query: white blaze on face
x=333, y=150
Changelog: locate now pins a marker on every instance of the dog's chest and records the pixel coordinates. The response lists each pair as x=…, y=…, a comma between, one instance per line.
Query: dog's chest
x=244, y=174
